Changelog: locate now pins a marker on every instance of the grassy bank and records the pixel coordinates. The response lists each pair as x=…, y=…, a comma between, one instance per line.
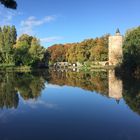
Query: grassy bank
x=97, y=67
x=11, y=67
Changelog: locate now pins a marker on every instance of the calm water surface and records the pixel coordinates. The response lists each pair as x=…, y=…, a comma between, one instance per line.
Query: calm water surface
x=68, y=106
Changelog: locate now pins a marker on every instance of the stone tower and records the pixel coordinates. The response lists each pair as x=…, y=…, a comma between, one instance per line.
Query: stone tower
x=115, y=48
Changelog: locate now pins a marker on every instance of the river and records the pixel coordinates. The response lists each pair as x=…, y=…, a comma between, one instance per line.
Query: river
x=68, y=105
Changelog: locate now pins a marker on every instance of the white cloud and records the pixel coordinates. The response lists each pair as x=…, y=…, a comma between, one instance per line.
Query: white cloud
x=6, y=16
x=52, y=86
x=28, y=25
x=32, y=103
x=50, y=39
x=32, y=21
x=6, y=113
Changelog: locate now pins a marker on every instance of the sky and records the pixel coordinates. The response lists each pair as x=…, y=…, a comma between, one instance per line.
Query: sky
x=67, y=21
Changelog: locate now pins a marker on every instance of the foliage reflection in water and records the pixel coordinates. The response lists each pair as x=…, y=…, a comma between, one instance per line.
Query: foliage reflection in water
x=74, y=113
x=30, y=85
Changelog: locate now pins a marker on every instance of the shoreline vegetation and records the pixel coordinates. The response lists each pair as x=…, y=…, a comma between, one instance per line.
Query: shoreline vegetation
x=25, y=53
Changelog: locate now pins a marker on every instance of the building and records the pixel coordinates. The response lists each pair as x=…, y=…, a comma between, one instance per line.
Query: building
x=115, y=49
x=66, y=64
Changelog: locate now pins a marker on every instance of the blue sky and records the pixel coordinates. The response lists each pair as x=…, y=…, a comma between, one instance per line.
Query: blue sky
x=61, y=21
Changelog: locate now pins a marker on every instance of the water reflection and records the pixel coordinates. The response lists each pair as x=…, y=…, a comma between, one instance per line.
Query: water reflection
x=96, y=81
x=131, y=93
x=8, y=94
x=115, y=86
x=68, y=105
x=30, y=86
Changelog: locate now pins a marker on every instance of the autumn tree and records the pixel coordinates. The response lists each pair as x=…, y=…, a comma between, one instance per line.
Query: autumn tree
x=57, y=53
x=86, y=51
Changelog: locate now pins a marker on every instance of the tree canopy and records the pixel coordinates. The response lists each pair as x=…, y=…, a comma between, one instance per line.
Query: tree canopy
x=9, y=3
x=24, y=51
x=87, y=50
x=131, y=50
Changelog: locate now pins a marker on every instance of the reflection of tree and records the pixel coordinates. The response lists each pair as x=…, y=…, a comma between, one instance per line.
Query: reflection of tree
x=8, y=95
x=95, y=81
x=132, y=94
x=29, y=86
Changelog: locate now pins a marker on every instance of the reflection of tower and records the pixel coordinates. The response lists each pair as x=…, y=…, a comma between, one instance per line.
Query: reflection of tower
x=115, y=86
x=115, y=48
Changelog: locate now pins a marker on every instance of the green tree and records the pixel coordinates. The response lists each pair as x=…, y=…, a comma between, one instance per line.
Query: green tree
x=7, y=40
x=13, y=35
x=21, y=50
x=21, y=56
x=1, y=44
x=25, y=51
x=36, y=51
x=131, y=50
x=29, y=52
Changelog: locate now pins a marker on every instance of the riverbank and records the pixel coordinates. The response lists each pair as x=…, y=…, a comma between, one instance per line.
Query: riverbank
x=15, y=68
x=29, y=69
x=98, y=67
x=83, y=68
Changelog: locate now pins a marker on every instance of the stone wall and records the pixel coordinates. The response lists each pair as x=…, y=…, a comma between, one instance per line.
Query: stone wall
x=115, y=49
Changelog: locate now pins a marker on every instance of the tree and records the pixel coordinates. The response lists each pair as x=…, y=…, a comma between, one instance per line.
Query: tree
x=29, y=52
x=26, y=51
x=24, y=41
x=86, y=51
x=1, y=43
x=8, y=37
x=131, y=50
x=21, y=56
x=1, y=39
x=71, y=54
x=99, y=53
x=58, y=53
x=36, y=51
x=21, y=50
x=9, y=3
x=13, y=35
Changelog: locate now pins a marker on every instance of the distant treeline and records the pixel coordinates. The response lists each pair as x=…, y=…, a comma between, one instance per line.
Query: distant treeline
x=86, y=51
x=91, y=50
x=27, y=51
x=24, y=51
